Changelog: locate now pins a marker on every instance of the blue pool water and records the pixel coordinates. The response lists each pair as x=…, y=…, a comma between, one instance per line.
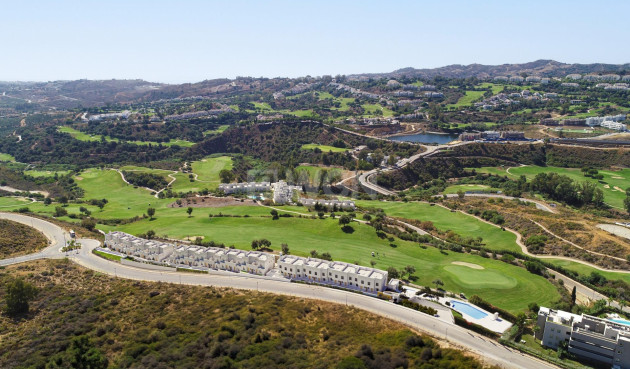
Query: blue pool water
x=620, y=321
x=469, y=310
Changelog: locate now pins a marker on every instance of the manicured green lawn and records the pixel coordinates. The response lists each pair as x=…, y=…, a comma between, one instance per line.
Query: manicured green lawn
x=614, y=186
x=469, y=187
x=11, y=202
x=82, y=136
x=221, y=129
x=45, y=173
x=495, y=87
x=445, y=220
x=324, y=148
x=587, y=270
x=6, y=157
x=505, y=285
x=207, y=171
x=314, y=172
x=124, y=201
x=467, y=99
x=106, y=255
x=372, y=107
x=611, y=184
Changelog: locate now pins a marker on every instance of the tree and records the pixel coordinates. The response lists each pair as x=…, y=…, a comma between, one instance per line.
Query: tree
x=521, y=318
x=60, y=212
x=150, y=234
x=81, y=354
x=438, y=283
x=461, y=194
x=344, y=220
x=285, y=249
x=47, y=201
x=410, y=269
x=18, y=295
x=573, y=295
x=189, y=211
x=88, y=223
x=392, y=272
x=626, y=201
x=226, y=176
x=151, y=213
x=274, y=214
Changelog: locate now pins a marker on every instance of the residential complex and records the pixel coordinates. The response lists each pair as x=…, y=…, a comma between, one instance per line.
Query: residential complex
x=333, y=273
x=234, y=260
x=282, y=192
x=588, y=337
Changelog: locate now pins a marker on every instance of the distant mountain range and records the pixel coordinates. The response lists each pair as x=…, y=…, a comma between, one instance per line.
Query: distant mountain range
x=543, y=68
x=87, y=93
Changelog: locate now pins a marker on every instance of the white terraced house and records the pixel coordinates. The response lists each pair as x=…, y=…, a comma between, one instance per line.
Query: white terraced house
x=131, y=245
x=345, y=205
x=254, y=262
x=333, y=273
x=245, y=187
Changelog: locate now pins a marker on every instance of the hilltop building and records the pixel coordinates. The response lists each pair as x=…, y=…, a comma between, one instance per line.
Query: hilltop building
x=344, y=205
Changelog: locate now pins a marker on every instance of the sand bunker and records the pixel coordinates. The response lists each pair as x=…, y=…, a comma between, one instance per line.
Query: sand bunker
x=606, y=186
x=470, y=265
x=616, y=177
x=619, y=189
x=78, y=178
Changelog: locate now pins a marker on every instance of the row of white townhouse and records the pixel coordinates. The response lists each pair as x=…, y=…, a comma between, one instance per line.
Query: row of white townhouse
x=253, y=262
x=333, y=273
x=329, y=204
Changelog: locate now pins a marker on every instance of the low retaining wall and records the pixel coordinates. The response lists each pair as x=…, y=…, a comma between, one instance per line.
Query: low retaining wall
x=145, y=265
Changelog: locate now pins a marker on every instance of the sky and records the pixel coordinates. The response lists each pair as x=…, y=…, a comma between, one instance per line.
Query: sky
x=190, y=41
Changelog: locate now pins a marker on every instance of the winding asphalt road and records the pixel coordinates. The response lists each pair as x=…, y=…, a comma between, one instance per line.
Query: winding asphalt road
x=488, y=349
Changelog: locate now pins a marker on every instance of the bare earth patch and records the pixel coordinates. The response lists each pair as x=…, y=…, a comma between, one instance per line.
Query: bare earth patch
x=617, y=230
x=211, y=202
x=470, y=265
x=78, y=178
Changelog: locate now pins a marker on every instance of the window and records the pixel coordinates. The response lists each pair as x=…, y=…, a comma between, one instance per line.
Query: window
x=377, y=285
x=336, y=276
x=315, y=273
x=355, y=279
x=309, y=272
x=369, y=283
x=362, y=282
x=341, y=277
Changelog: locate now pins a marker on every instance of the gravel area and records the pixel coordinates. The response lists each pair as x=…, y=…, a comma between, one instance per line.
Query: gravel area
x=617, y=230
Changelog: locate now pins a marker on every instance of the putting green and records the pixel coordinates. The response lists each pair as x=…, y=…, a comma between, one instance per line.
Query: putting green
x=480, y=279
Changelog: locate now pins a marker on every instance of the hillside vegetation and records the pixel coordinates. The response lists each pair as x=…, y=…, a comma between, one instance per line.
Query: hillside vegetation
x=18, y=239
x=130, y=324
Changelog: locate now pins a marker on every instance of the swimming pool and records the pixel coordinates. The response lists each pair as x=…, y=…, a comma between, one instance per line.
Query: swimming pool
x=620, y=321
x=467, y=309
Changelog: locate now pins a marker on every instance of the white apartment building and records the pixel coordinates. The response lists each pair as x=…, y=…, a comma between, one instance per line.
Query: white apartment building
x=95, y=118
x=254, y=262
x=597, y=121
x=282, y=192
x=333, y=273
x=614, y=125
x=588, y=337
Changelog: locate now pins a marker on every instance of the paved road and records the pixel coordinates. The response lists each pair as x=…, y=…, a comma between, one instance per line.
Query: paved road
x=488, y=349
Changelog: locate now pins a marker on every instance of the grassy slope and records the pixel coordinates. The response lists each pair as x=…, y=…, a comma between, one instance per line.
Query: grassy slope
x=6, y=157
x=207, y=171
x=467, y=99
x=613, y=197
x=193, y=327
x=324, y=148
x=45, y=173
x=11, y=202
x=470, y=187
x=504, y=285
x=81, y=136
x=587, y=270
x=444, y=220
x=19, y=239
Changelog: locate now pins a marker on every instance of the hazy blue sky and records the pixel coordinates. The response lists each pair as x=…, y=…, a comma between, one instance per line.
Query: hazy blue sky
x=187, y=41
